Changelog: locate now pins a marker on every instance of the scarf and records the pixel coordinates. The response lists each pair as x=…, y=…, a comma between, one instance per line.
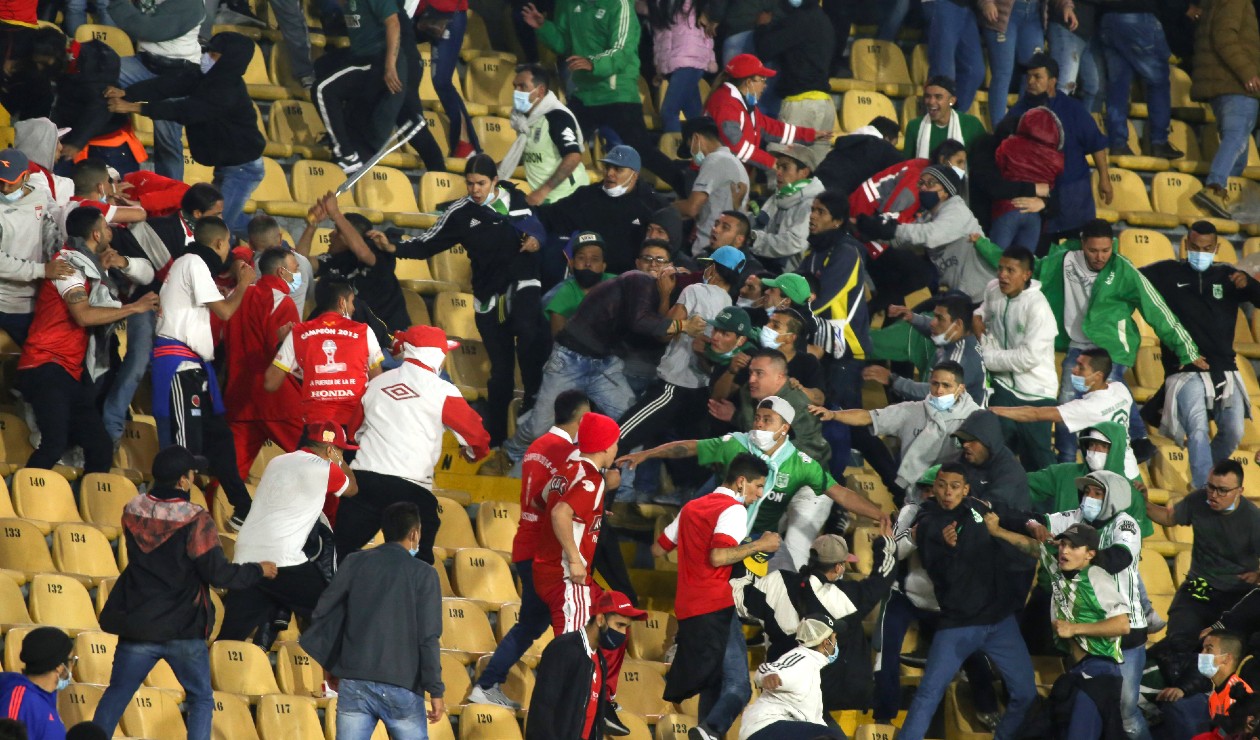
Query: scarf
x=104, y=294
x=953, y=130
x=521, y=124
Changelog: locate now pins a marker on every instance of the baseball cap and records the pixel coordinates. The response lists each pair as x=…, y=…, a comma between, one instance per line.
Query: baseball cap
x=44, y=649
x=831, y=548
x=733, y=318
x=747, y=65
x=794, y=286
x=778, y=406
x=1094, y=435
x=174, y=462
x=615, y=602
x=13, y=164
x=815, y=628
x=586, y=238
x=424, y=336
x=929, y=476
x=1093, y=479
x=330, y=433
x=728, y=257
x=61, y=132
x=801, y=153
x=597, y=433
x=1080, y=535
x=623, y=156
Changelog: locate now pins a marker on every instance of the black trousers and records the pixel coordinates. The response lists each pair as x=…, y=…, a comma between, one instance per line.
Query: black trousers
x=196, y=426
x=295, y=588
x=627, y=120
x=359, y=517
x=358, y=110
x=509, y=339
x=1188, y=616
x=65, y=410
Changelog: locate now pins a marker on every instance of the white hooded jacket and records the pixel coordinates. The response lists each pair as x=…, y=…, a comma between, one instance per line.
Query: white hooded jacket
x=29, y=236
x=1018, y=342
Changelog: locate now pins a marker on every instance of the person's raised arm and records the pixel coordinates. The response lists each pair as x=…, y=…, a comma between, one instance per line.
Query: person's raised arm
x=87, y=315
x=349, y=234
x=224, y=309
x=1028, y=413
x=856, y=503
x=852, y=417
x=768, y=542
x=1161, y=514
x=314, y=216
x=668, y=451
x=1023, y=543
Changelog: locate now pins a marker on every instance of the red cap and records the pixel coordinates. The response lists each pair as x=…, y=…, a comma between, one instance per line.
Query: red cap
x=615, y=602
x=243, y=254
x=423, y=336
x=597, y=433
x=329, y=433
x=747, y=65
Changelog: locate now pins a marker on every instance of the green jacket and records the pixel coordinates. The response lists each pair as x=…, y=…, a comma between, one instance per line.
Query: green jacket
x=899, y=342
x=1118, y=291
x=605, y=32
x=1053, y=489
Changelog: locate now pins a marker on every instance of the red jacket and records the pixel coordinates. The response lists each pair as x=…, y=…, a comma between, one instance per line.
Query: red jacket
x=741, y=128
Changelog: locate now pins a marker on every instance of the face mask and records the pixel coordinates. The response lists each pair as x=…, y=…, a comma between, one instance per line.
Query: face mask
x=586, y=278
x=719, y=357
x=15, y=196
x=750, y=99
x=63, y=683
x=958, y=171
x=611, y=639
x=1079, y=385
x=743, y=302
x=698, y=158
x=521, y=102
x=207, y=62
x=1231, y=507
x=1200, y=261
x=1091, y=507
x=296, y=285
x=942, y=339
x=1207, y=664
x=1095, y=460
x=762, y=439
x=1037, y=100
x=616, y=191
x=413, y=551
x=942, y=403
x=770, y=311
x=769, y=338
x=928, y=199
x=835, y=653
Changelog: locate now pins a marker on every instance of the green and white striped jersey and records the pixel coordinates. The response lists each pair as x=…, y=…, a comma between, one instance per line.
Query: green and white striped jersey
x=1093, y=595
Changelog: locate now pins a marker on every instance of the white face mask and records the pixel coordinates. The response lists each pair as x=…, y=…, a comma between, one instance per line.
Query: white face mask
x=958, y=171
x=1095, y=460
x=1091, y=508
x=521, y=102
x=616, y=191
x=1207, y=664
x=762, y=439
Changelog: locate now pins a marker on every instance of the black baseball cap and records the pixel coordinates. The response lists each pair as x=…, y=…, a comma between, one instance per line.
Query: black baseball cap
x=1080, y=535
x=174, y=462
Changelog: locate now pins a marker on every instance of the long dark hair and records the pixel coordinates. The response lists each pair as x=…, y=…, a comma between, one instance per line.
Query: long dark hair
x=665, y=13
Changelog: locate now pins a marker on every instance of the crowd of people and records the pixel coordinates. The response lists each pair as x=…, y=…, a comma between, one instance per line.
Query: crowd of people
x=802, y=303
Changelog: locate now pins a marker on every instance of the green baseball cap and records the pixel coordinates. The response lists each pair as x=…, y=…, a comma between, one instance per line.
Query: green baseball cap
x=734, y=319
x=929, y=476
x=794, y=286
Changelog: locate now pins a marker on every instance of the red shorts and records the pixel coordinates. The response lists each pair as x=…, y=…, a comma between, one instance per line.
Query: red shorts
x=570, y=603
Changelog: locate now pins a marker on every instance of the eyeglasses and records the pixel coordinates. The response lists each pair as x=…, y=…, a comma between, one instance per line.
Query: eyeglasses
x=1218, y=492
x=928, y=184
x=656, y=260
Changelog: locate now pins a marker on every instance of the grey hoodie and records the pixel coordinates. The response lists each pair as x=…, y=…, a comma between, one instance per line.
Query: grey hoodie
x=946, y=236
x=965, y=351
x=786, y=234
x=37, y=139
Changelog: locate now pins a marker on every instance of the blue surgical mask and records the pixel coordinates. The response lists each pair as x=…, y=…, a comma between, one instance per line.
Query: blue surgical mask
x=63, y=683
x=1200, y=261
x=769, y=338
x=698, y=158
x=521, y=102
x=207, y=62
x=835, y=653
x=796, y=3
x=15, y=196
x=750, y=99
x=413, y=551
x=296, y=285
x=928, y=199
x=1091, y=508
x=1079, y=385
x=1232, y=507
x=942, y=403
x=1207, y=664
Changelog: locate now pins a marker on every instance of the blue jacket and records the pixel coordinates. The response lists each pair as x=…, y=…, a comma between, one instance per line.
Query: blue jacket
x=32, y=706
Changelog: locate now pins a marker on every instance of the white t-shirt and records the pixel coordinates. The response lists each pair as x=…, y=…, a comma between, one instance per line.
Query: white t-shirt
x=288, y=502
x=188, y=290
x=719, y=171
x=680, y=365
x=1112, y=403
x=1078, y=286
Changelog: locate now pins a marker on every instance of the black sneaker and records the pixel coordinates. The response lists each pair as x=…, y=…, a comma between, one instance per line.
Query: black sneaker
x=700, y=732
x=1122, y=150
x=1166, y=151
x=612, y=723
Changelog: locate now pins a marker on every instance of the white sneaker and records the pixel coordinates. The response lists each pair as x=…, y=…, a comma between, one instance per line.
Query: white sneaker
x=492, y=695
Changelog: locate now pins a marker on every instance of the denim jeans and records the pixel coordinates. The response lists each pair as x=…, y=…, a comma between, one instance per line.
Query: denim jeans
x=297, y=39
x=237, y=183
x=1005, y=647
x=360, y=704
x=1183, y=718
x=445, y=56
x=603, y=379
x=736, y=44
x=1080, y=64
x=168, y=148
x=1131, y=675
x=1086, y=720
x=954, y=50
x=1014, y=228
x=1134, y=43
x=895, y=13
x=1023, y=37
x=1193, y=415
x=683, y=95
x=76, y=14
x=1235, y=117
x=140, y=329
x=720, y=705
x=1064, y=440
x=189, y=659
x=534, y=619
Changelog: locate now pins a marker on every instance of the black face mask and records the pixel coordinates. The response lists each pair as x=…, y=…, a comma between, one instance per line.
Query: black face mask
x=1036, y=100
x=611, y=639
x=928, y=199
x=586, y=278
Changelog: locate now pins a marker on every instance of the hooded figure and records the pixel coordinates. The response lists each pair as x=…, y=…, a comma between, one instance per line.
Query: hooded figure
x=1055, y=489
x=993, y=473
x=80, y=103
x=854, y=158
x=37, y=139
x=1033, y=154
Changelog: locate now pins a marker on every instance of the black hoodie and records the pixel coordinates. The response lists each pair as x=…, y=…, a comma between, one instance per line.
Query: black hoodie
x=218, y=114
x=1000, y=479
x=855, y=159
x=800, y=43
x=81, y=103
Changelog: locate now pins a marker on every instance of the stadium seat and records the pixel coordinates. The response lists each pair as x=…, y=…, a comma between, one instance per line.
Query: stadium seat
x=477, y=41
x=1154, y=571
x=863, y=537
x=495, y=134
x=453, y=266
x=23, y=549
x=1148, y=373
x=102, y=498
x=17, y=441
x=488, y=722
x=869, y=485
x=428, y=94
x=162, y=676
x=651, y=637
x=1145, y=247
x=481, y=574
x=1135, y=161
x=272, y=196
x=465, y=630
x=1181, y=567
x=640, y=688
x=457, y=681
x=673, y=726
x=509, y=615
x=6, y=501
x=859, y=107
x=12, y=605
x=153, y=713
x=875, y=732
x=388, y=190
x=61, y=601
x=497, y=523
x=81, y=549
x=77, y=703
x=1170, y=468
x=232, y=720
x=194, y=171
x=1182, y=136
x=281, y=71
x=919, y=65
x=1183, y=107
x=102, y=594
x=115, y=38
x=242, y=668
x=519, y=686
x=456, y=529
x=454, y=313
x=1131, y=203
x=258, y=82
x=297, y=673
x=439, y=188
x=297, y=123
x=283, y=717
x=488, y=81
x=417, y=312
x=270, y=148
x=878, y=66
x=13, y=647
x=313, y=179
x=141, y=441
x=469, y=368
x=1171, y=192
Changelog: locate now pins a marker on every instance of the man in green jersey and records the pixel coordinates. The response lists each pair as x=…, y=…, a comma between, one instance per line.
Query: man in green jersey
x=791, y=472
x=1090, y=614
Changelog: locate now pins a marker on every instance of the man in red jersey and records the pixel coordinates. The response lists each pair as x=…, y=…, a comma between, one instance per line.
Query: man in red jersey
x=334, y=356
x=542, y=476
x=254, y=333
x=712, y=658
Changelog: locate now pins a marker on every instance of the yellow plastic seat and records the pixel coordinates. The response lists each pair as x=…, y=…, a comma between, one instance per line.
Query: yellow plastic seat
x=509, y=615
x=416, y=310
x=1135, y=161
x=640, y=688
x=674, y=726
x=242, y=668
x=488, y=722
x=1171, y=192
x=469, y=368
x=497, y=523
x=488, y=81
x=1155, y=574
x=297, y=123
x=878, y=66
x=162, y=677
x=457, y=681
x=272, y=196
x=440, y=188
x=232, y=720
x=919, y=65
x=1130, y=201
x=483, y=575
x=1145, y=247
x=17, y=441
x=13, y=648
x=23, y=549
x=1170, y=468
x=283, y=717
x=141, y=440
x=859, y=107
x=454, y=313
x=12, y=605
x=388, y=190
x=61, y=601
x=194, y=171
x=428, y=94
x=115, y=38
x=153, y=713
x=519, y=685
x=1183, y=107
x=456, y=530
x=77, y=703
x=1182, y=136
x=1148, y=373
x=82, y=550
x=651, y=637
x=465, y=630
x=313, y=179
x=259, y=82
x=453, y=266
x=495, y=134
x=298, y=673
x=102, y=498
